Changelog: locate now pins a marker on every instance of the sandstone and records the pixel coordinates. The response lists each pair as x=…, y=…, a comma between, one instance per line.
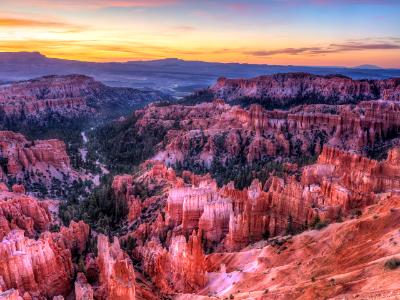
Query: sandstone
x=30, y=162
x=22, y=212
x=83, y=290
x=264, y=134
x=70, y=96
x=282, y=89
x=10, y=295
x=42, y=266
x=18, y=188
x=179, y=269
x=188, y=263
x=117, y=275
x=329, y=263
x=337, y=184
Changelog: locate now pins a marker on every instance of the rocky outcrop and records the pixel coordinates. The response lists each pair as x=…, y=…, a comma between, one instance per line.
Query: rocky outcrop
x=343, y=261
x=146, y=196
x=10, y=295
x=83, y=290
x=185, y=205
x=179, y=269
x=40, y=162
x=297, y=88
x=41, y=267
x=214, y=221
x=176, y=217
x=21, y=155
x=22, y=212
x=187, y=260
x=69, y=96
x=339, y=183
x=213, y=133
x=117, y=276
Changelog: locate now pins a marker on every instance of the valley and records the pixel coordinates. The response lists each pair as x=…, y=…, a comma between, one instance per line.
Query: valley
x=277, y=187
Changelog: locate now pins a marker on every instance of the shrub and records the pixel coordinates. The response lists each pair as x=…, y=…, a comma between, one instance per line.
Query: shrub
x=54, y=228
x=318, y=224
x=392, y=263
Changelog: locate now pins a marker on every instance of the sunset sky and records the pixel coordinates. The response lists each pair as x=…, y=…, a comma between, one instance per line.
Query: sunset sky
x=296, y=32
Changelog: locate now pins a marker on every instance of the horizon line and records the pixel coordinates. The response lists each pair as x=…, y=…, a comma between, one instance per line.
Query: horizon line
x=374, y=66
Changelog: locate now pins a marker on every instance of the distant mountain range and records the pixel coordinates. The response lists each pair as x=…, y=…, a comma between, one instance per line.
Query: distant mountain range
x=174, y=76
x=369, y=67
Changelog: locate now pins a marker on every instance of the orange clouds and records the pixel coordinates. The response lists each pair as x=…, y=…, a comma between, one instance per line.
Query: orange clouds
x=332, y=48
x=15, y=22
x=103, y=51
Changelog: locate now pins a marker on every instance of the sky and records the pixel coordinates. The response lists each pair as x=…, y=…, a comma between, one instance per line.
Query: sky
x=285, y=32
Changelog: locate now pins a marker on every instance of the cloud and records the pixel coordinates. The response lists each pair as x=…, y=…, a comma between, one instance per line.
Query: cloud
x=290, y=51
x=332, y=48
x=239, y=6
x=17, y=22
x=184, y=28
x=55, y=26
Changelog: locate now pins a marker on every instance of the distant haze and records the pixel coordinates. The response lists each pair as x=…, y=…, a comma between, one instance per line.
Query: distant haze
x=174, y=76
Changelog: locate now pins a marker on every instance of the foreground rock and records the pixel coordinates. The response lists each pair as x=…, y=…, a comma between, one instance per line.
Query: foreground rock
x=179, y=269
x=201, y=218
x=18, y=211
x=337, y=185
x=343, y=261
x=117, y=276
x=41, y=267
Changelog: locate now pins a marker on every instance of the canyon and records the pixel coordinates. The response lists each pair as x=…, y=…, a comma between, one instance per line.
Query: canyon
x=40, y=263
x=217, y=201
x=209, y=133
x=236, y=227
x=68, y=97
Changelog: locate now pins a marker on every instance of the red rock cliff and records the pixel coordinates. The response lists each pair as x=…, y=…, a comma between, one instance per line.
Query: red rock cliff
x=44, y=266
x=22, y=212
x=117, y=275
x=280, y=89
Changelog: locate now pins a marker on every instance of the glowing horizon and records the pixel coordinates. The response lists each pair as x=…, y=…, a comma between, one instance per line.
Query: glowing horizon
x=279, y=32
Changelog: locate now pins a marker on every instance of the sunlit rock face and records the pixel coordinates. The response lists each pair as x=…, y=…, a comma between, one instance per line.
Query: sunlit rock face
x=18, y=211
x=319, y=231
x=338, y=183
x=329, y=263
x=181, y=268
x=34, y=162
x=213, y=132
x=41, y=267
x=292, y=88
x=33, y=261
x=83, y=290
x=208, y=234
x=224, y=221
x=117, y=275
